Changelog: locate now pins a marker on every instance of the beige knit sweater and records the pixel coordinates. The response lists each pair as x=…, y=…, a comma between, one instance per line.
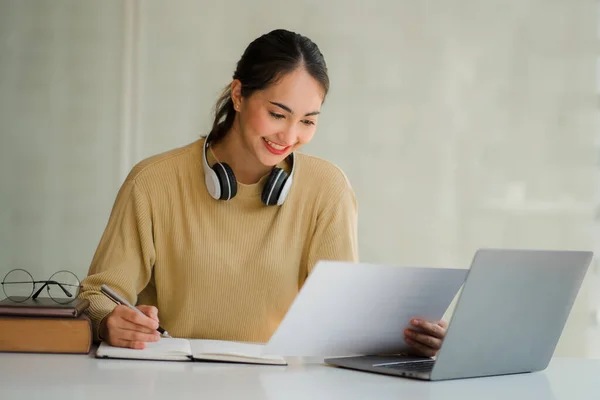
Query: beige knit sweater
x=217, y=269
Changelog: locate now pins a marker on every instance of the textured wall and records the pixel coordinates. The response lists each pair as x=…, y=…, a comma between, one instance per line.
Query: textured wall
x=461, y=124
x=60, y=112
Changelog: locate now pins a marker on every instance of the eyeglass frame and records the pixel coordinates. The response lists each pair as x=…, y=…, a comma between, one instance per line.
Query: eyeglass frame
x=46, y=283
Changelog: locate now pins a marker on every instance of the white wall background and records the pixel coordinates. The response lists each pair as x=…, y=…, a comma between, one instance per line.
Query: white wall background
x=461, y=124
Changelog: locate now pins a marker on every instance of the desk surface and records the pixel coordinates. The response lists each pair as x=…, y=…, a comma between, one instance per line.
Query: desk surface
x=64, y=377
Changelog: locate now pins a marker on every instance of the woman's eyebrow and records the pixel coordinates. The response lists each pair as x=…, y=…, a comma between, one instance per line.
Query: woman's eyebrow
x=286, y=108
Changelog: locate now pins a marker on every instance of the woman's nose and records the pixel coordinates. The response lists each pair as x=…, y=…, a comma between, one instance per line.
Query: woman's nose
x=287, y=137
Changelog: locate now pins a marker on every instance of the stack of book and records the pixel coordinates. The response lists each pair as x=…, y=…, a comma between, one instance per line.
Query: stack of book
x=44, y=326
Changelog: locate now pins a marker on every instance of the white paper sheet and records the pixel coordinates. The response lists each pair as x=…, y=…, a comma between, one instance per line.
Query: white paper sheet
x=357, y=308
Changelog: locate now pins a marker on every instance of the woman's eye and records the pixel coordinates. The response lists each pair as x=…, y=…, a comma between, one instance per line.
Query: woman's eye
x=308, y=122
x=275, y=115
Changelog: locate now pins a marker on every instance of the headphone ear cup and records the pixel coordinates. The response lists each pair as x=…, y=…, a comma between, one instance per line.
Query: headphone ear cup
x=272, y=189
x=226, y=180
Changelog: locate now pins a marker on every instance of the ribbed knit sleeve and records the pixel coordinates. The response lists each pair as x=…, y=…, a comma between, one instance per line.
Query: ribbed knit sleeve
x=336, y=236
x=125, y=255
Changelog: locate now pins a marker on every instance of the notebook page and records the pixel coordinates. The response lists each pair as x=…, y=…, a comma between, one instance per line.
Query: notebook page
x=165, y=349
x=203, y=347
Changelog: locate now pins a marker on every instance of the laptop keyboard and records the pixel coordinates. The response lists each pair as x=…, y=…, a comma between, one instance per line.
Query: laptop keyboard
x=419, y=366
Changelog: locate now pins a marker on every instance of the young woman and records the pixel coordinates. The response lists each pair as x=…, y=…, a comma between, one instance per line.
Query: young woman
x=216, y=238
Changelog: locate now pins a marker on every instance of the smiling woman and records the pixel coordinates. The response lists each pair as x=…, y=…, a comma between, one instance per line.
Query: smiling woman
x=216, y=238
x=271, y=107
x=271, y=123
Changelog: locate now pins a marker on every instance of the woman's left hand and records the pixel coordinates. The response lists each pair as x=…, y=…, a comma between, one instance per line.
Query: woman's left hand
x=428, y=339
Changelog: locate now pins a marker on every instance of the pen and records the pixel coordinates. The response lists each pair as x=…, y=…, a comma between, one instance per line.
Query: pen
x=114, y=296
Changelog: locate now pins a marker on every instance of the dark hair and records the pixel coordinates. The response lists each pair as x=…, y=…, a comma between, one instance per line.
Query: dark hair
x=264, y=61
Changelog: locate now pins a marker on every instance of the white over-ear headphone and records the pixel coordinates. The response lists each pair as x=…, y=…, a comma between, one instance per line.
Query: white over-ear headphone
x=222, y=185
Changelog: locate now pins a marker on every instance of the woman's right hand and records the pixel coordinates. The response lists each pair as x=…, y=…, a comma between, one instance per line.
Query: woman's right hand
x=125, y=327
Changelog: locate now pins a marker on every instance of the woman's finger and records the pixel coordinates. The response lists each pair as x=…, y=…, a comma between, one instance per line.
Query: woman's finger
x=139, y=318
x=421, y=349
x=128, y=325
x=150, y=311
x=136, y=336
x=432, y=328
x=424, y=339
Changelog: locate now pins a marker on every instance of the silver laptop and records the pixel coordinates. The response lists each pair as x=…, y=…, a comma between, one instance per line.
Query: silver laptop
x=508, y=318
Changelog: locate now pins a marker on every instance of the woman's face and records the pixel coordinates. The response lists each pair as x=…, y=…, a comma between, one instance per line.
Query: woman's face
x=280, y=119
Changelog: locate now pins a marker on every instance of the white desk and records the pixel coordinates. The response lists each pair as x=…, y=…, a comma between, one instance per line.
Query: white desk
x=65, y=377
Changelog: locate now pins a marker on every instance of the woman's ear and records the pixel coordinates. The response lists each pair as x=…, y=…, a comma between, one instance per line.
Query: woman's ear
x=236, y=93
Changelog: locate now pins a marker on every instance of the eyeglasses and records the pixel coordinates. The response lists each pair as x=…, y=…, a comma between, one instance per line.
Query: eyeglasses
x=62, y=287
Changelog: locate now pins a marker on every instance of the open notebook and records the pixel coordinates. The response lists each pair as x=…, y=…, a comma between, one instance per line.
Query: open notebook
x=171, y=349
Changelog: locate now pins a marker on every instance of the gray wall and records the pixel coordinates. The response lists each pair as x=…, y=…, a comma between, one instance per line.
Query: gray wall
x=461, y=124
